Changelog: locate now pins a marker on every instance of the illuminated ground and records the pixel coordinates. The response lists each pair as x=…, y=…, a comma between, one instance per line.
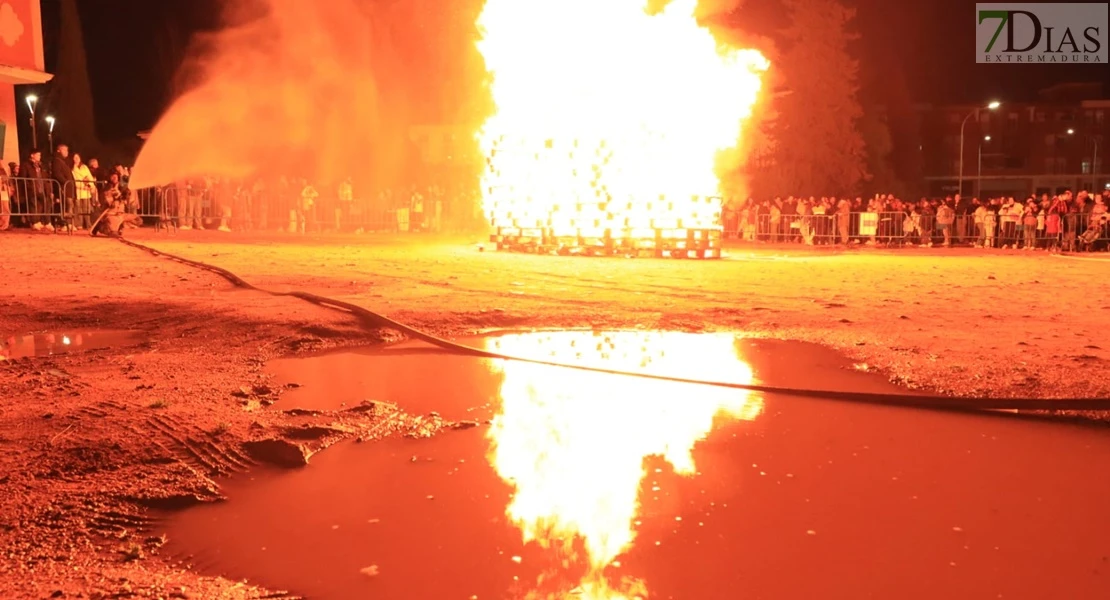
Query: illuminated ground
x=86, y=437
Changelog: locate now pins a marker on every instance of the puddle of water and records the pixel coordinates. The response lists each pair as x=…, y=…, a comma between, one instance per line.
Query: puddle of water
x=413, y=375
x=421, y=379
x=611, y=487
x=46, y=344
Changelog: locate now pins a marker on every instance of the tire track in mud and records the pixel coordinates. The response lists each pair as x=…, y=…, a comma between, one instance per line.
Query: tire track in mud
x=103, y=409
x=117, y=523
x=197, y=448
x=100, y=517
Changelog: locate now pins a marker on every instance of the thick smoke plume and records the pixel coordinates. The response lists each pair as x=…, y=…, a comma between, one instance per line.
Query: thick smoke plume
x=322, y=90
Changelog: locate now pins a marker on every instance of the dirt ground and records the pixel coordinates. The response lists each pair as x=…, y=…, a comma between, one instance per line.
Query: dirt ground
x=94, y=446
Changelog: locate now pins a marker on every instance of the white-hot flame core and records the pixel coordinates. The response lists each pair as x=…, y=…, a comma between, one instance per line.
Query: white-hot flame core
x=608, y=117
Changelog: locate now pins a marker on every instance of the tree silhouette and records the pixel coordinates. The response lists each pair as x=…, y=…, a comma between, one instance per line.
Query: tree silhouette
x=875, y=131
x=904, y=123
x=69, y=96
x=817, y=147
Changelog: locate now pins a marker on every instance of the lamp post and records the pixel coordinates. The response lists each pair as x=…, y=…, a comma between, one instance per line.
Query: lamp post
x=1094, y=159
x=50, y=134
x=991, y=106
x=979, y=174
x=1094, y=162
x=32, y=100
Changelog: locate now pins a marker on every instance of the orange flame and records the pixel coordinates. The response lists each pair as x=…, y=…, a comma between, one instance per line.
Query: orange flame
x=608, y=117
x=573, y=443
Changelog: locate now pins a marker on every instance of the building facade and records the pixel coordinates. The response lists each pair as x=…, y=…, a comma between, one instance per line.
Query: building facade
x=1018, y=149
x=21, y=62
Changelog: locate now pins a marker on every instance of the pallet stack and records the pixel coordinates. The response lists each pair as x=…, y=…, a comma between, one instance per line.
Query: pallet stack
x=578, y=198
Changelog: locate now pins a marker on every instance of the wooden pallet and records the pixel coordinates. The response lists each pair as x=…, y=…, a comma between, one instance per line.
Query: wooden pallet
x=670, y=243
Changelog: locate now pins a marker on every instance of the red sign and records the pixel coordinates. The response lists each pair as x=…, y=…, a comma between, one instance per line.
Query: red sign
x=20, y=34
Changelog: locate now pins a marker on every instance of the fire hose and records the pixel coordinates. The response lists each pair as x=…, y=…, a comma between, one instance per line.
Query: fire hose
x=953, y=403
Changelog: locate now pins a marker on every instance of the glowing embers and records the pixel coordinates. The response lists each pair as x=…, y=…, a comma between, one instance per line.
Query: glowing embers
x=577, y=186
x=576, y=198
x=592, y=219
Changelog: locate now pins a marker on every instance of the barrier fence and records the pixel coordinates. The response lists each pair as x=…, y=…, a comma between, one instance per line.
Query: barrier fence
x=48, y=203
x=45, y=201
x=1078, y=231
x=249, y=210
x=40, y=200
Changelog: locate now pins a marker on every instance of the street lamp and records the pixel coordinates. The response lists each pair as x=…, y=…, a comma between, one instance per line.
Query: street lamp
x=1094, y=159
x=979, y=175
x=994, y=104
x=50, y=133
x=32, y=100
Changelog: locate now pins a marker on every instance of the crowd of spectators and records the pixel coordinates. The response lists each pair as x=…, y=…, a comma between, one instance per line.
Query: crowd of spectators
x=64, y=193
x=1062, y=222
x=299, y=206
x=68, y=193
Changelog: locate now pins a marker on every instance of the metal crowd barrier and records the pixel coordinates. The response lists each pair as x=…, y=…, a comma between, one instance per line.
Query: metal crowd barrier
x=44, y=201
x=34, y=200
x=263, y=210
x=48, y=203
x=1079, y=231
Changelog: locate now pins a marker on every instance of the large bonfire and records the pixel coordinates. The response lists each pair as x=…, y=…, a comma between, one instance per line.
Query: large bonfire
x=608, y=116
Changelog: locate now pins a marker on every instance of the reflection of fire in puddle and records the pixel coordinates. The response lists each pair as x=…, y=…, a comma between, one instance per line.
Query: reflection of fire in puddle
x=574, y=443
x=941, y=505
x=46, y=344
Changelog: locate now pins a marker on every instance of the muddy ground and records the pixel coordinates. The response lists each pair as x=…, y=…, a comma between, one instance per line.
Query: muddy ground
x=94, y=446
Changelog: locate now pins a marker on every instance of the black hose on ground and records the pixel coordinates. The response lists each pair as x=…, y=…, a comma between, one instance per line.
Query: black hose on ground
x=903, y=400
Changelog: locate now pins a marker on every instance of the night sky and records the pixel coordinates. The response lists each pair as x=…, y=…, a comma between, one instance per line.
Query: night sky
x=931, y=41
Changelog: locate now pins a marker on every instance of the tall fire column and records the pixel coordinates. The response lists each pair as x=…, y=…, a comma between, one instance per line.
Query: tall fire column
x=611, y=124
